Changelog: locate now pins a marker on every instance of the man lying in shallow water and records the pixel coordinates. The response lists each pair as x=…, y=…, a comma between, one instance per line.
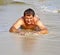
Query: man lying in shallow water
x=29, y=21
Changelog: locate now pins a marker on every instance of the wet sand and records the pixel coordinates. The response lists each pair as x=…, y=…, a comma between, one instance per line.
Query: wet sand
x=15, y=44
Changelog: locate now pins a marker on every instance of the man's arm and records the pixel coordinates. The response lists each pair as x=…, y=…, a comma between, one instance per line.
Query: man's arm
x=43, y=29
x=15, y=27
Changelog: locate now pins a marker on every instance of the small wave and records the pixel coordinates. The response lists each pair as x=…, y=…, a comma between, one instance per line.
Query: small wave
x=50, y=9
x=31, y=2
x=17, y=2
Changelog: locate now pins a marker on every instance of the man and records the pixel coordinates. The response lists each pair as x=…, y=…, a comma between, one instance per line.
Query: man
x=29, y=21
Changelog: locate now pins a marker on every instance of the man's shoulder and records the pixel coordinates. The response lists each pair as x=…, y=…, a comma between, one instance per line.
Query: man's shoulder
x=36, y=18
x=21, y=18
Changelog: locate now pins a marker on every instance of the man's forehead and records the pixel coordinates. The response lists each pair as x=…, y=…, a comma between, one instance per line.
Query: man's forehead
x=28, y=15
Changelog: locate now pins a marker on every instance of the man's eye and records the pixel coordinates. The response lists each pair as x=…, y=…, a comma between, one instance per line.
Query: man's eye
x=29, y=18
x=26, y=19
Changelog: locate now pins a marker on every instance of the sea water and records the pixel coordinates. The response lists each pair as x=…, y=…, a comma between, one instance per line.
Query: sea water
x=30, y=43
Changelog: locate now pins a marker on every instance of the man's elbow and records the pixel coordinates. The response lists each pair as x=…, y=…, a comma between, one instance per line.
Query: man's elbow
x=45, y=31
x=12, y=29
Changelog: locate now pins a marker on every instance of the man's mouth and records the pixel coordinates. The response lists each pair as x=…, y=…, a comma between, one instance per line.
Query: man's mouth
x=29, y=22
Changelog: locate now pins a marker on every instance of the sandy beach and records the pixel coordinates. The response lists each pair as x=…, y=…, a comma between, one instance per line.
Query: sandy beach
x=30, y=44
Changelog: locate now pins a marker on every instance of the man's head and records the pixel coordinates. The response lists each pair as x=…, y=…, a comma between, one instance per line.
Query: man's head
x=28, y=16
x=29, y=12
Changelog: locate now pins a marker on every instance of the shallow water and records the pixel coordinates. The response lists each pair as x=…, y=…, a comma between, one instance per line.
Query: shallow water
x=31, y=43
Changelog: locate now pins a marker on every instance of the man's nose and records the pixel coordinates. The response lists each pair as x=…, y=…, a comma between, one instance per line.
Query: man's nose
x=29, y=19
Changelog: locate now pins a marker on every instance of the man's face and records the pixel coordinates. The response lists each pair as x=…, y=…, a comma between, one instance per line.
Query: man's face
x=29, y=19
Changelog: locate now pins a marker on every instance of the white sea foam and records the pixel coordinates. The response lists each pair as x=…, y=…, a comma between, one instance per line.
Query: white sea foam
x=46, y=6
x=50, y=9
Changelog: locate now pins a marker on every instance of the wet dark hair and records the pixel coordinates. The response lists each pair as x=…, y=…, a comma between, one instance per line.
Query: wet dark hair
x=29, y=12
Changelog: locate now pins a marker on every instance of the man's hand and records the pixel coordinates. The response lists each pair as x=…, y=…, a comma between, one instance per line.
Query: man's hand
x=22, y=32
x=43, y=32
